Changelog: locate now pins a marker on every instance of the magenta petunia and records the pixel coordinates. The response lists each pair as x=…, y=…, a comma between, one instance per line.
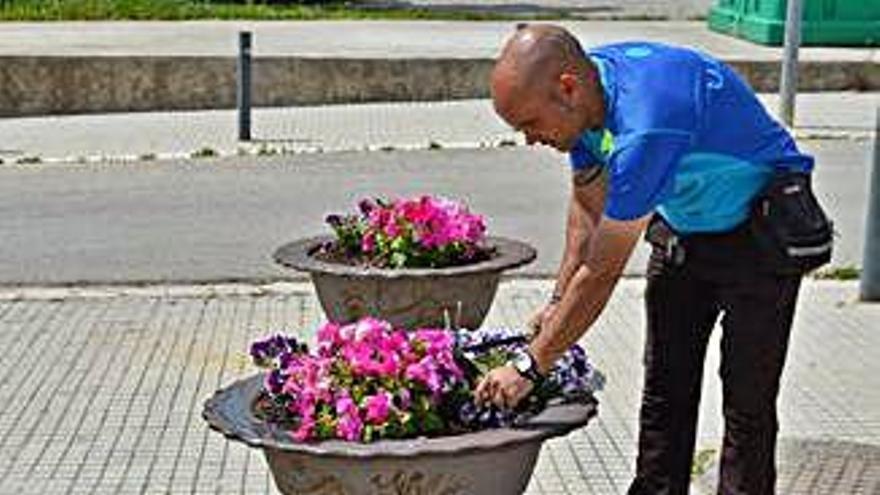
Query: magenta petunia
x=421, y=231
x=377, y=407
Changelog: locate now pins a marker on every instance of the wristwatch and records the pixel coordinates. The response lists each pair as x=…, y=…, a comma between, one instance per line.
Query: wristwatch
x=526, y=365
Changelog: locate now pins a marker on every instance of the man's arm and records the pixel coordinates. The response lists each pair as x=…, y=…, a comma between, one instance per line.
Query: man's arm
x=584, y=211
x=588, y=290
x=585, y=296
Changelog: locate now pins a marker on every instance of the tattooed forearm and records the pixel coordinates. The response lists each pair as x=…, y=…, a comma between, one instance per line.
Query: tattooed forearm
x=586, y=176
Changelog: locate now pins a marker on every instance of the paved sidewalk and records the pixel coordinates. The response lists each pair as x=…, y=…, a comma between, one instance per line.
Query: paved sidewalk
x=451, y=124
x=101, y=389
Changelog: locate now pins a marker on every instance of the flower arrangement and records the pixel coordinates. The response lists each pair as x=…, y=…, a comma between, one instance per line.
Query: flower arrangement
x=425, y=231
x=369, y=381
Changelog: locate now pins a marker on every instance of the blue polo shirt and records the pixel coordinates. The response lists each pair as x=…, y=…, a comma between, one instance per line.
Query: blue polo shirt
x=684, y=136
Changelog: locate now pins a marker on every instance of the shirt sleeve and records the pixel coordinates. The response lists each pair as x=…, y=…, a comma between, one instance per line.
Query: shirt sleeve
x=586, y=151
x=642, y=172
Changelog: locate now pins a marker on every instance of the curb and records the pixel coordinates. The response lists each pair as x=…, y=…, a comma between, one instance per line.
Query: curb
x=50, y=85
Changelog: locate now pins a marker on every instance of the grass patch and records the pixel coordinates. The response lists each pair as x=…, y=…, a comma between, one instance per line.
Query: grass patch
x=29, y=160
x=204, y=153
x=702, y=461
x=839, y=273
x=265, y=150
x=144, y=10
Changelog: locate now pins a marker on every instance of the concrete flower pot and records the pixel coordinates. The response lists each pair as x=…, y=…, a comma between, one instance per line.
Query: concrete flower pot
x=497, y=461
x=409, y=297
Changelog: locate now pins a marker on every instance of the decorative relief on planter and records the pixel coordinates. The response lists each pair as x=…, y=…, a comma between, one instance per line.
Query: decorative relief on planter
x=296, y=475
x=417, y=483
x=459, y=296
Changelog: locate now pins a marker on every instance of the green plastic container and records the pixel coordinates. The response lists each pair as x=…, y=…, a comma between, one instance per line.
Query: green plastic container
x=825, y=22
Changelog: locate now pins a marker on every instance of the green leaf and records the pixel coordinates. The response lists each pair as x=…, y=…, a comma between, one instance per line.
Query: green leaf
x=398, y=259
x=399, y=244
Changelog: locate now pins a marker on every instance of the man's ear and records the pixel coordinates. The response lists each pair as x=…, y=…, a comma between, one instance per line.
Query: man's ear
x=568, y=83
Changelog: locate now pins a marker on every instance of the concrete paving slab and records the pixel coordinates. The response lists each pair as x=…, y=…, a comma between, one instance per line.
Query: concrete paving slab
x=101, y=392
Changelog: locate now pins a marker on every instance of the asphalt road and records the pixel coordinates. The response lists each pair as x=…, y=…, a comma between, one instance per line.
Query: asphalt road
x=219, y=220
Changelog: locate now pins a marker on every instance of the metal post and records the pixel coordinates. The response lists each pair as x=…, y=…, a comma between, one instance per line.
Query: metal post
x=788, y=86
x=870, y=286
x=243, y=86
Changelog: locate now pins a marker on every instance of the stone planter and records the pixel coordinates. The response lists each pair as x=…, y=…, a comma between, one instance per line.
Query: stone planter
x=411, y=297
x=498, y=461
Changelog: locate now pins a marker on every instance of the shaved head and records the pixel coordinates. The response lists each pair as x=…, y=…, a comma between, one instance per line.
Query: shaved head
x=544, y=85
x=537, y=54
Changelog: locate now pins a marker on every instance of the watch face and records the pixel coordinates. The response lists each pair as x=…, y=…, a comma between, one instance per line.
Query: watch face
x=522, y=362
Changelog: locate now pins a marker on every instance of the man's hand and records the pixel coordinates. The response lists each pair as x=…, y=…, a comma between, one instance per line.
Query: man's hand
x=504, y=387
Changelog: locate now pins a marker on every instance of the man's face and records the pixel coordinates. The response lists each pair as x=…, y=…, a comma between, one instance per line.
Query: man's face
x=548, y=116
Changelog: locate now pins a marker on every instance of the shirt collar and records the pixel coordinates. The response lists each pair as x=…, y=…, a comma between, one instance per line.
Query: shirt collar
x=608, y=83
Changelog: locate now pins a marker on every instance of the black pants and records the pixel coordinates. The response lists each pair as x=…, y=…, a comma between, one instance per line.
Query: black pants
x=689, y=285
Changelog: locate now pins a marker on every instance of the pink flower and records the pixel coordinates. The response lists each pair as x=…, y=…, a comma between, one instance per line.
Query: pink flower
x=328, y=337
x=425, y=371
x=345, y=404
x=395, y=342
x=350, y=426
x=379, y=217
x=392, y=229
x=371, y=329
x=317, y=390
x=378, y=406
x=436, y=341
x=360, y=357
x=388, y=364
x=306, y=429
x=368, y=242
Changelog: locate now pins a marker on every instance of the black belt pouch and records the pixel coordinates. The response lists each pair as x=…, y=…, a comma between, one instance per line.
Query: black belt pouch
x=789, y=225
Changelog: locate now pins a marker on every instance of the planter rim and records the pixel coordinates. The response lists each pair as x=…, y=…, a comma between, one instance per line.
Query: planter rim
x=298, y=255
x=229, y=412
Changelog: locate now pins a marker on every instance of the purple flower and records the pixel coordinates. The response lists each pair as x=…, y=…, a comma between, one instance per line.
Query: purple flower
x=334, y=220
x=265, y=352
x=366, y=206
x=275, y=381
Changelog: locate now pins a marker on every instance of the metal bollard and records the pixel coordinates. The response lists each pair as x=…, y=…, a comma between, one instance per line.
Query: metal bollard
x=788, y=85
x=243, y=85
x=870, y=283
